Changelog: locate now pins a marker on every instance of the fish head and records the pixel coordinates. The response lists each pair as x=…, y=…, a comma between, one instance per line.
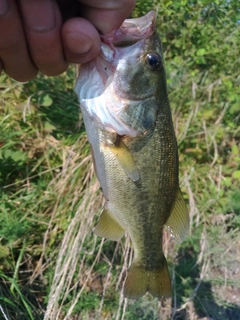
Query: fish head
x=121, y=88
x=138, y=58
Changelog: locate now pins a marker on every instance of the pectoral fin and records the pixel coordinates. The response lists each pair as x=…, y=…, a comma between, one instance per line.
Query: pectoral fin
x=109, y=227
x=178, y=222
x=125, y=159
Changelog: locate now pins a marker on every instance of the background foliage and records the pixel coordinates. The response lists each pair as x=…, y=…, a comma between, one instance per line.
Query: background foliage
x=47, y=184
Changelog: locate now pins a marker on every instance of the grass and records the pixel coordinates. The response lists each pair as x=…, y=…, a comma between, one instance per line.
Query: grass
x=51, y=264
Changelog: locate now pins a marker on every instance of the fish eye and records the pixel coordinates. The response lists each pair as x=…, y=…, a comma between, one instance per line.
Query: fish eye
x=153, y=61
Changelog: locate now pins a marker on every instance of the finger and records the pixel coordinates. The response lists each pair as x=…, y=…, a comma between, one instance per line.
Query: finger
x=107, y=15
x=42, y=23
x=81, y=40
x=14, y=55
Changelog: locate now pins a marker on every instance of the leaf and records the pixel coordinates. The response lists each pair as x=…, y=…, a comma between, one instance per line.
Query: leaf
x=7, y=301
x=201, y=52
x=46, y=100
x=235, y=150
x=4, y=251
x=236, y=174
x=16, y=156
x=48, y=127
x=208, y=114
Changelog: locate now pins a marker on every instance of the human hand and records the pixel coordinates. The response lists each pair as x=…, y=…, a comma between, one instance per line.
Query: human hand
x=47, y=35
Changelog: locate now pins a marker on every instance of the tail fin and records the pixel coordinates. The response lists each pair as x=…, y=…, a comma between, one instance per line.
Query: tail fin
x=141, y=280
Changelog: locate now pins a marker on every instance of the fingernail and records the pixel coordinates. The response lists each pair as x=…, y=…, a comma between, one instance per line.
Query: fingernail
x=77, y=43
x=39, y=16
x=4, y=6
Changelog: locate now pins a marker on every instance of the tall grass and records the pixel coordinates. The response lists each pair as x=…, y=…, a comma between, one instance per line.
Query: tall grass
x=52, y=266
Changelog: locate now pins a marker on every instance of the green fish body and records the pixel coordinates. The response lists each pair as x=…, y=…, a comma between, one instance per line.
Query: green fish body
x=129, y=126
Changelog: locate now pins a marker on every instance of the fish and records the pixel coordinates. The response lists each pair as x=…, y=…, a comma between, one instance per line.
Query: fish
x=126, y=112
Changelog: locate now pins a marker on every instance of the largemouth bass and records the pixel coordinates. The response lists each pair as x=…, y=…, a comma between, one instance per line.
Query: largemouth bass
x=125, y=107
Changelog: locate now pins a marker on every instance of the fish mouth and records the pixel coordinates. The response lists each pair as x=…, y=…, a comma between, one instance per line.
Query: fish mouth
x=101, y=85
x=132, y=30
x=127, y=40
x=141, y=24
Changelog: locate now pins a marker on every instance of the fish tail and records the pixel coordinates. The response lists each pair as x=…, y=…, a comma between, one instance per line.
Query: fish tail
x=141, y=280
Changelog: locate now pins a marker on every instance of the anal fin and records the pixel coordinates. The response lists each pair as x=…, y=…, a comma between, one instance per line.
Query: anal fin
x=125, y=159
x=109, y=227
x=178, y=222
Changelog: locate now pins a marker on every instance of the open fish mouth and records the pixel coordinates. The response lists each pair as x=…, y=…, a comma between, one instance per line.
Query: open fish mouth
x=106, y=83
x=126, y=41
x=132, y=30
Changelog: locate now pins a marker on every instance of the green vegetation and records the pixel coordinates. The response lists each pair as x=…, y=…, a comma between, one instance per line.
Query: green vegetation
x=49, y=197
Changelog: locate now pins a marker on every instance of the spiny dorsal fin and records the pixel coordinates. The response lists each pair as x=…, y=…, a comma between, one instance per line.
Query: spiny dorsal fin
x=109, y=227
x=125, y=159
x=178, y=222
